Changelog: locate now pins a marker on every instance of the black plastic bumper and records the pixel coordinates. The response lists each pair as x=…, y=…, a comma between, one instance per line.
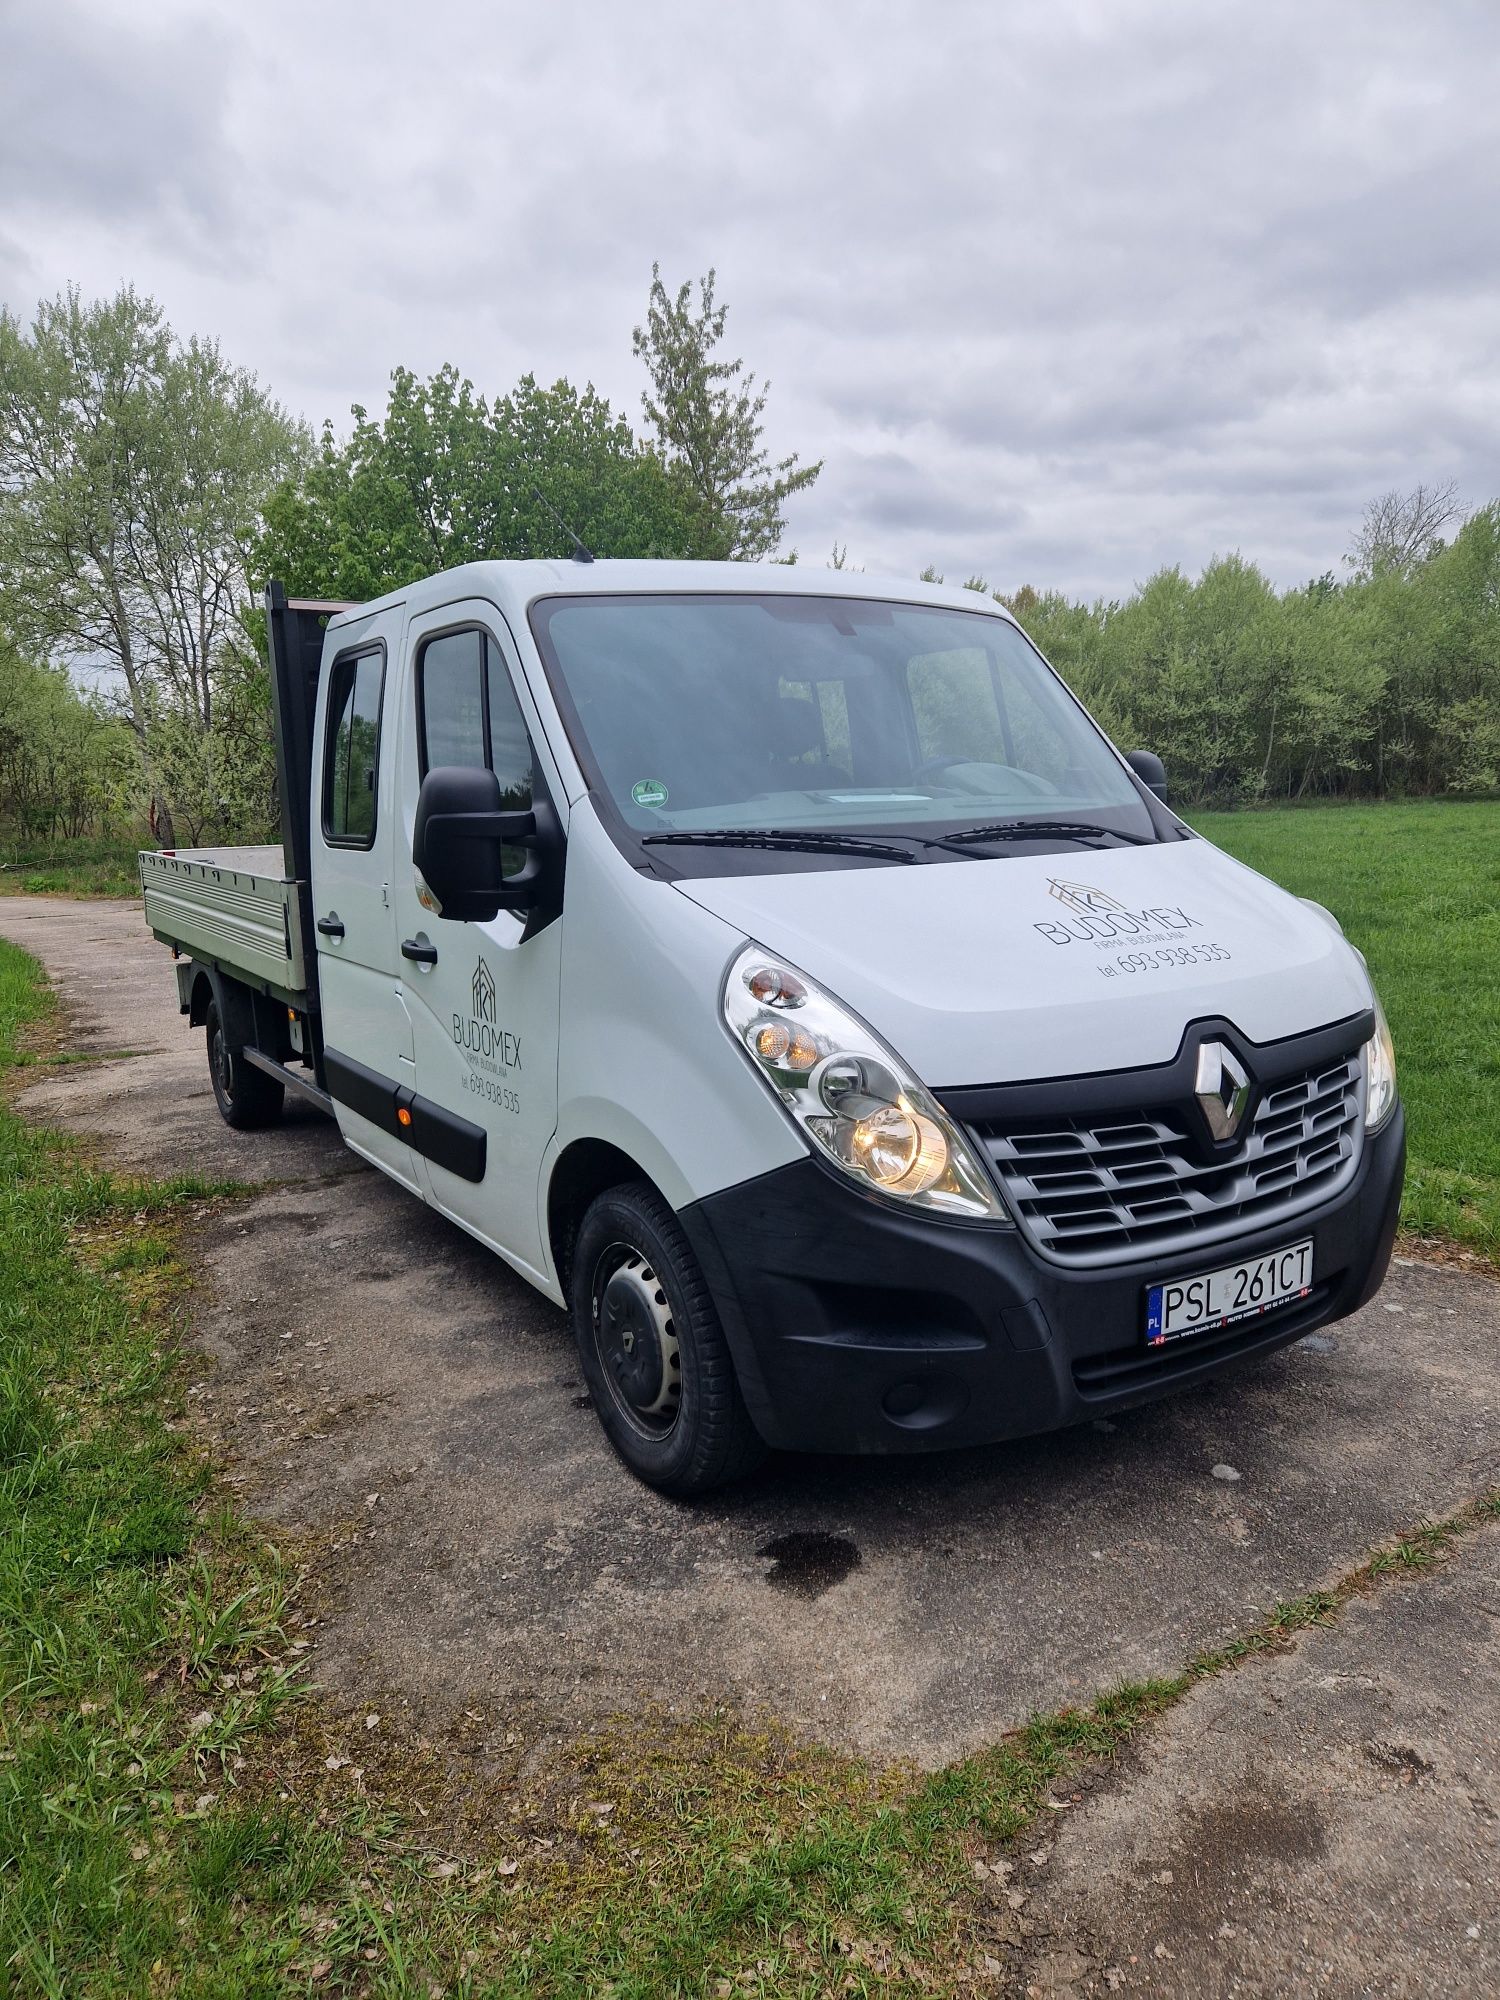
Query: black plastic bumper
x=855, y=1327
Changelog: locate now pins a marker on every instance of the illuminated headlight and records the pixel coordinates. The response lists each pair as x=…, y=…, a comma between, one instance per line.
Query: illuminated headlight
x=1380, y=1074
x=852, y=1096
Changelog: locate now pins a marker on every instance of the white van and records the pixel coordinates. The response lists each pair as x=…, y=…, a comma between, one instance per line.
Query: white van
x=782, y=972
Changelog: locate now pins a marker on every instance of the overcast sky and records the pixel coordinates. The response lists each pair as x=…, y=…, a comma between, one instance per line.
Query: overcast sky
x=1060, y=292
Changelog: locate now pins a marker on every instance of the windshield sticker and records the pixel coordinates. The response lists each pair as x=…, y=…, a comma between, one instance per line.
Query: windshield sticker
x=649, y=792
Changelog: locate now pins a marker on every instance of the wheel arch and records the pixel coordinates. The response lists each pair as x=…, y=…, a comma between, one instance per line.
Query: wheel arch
x=583, y=1170
x=203, y=992
x=249, y=1019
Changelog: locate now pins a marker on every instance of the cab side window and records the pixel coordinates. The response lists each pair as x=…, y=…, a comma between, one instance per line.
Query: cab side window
x=351, y=764
x=467, y=712
x=450, y=682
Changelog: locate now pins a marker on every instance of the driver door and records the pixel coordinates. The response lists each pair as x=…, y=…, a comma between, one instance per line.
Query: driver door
x=482, y=997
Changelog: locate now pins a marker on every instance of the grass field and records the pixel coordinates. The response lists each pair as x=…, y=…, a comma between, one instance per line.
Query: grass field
x=1417, y=887
x=180, y=1816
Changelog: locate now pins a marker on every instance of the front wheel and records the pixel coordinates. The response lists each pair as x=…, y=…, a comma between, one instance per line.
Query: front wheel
x=653, y=1352
x=246, y=1096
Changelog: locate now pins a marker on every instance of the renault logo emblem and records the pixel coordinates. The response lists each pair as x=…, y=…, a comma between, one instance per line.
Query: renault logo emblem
x=1222, y=1089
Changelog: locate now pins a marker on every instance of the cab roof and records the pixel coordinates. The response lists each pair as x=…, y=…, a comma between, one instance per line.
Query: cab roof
x=515, y=586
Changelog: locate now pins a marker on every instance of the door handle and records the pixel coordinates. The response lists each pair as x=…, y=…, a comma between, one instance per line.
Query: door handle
x=419, y=954
x=331, y=926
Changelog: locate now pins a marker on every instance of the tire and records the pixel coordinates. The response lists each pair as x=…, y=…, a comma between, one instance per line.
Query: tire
x=247, y=1098
x=653, y=1352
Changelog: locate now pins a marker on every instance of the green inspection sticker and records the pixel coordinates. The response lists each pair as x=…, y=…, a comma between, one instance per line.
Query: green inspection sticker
x=649, y=792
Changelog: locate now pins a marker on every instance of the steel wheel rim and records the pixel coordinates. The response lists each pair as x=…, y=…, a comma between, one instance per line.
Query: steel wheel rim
x=635, y=1340
x=222, y=1074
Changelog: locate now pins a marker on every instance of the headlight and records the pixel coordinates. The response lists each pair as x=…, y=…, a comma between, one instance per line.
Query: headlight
x=852, y=1096
x=1380, y=1074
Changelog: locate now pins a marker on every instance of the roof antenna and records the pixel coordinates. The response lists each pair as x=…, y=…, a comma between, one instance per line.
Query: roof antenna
x=580, y=553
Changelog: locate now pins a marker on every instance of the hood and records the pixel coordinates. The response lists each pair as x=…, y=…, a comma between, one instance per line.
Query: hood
x=998, y=971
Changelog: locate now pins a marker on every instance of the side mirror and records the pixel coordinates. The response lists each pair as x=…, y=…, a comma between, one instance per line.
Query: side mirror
x=459, y=840
x=1151, y=771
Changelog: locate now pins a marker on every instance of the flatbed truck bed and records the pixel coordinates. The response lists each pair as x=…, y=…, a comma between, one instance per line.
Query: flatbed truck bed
x=232, y=908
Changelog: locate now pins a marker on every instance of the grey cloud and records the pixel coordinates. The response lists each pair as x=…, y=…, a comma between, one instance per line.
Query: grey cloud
x=1057, y=291
x=106, y=116
x=891, y=484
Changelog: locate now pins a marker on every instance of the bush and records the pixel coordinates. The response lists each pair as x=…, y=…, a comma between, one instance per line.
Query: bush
x=1386, y=685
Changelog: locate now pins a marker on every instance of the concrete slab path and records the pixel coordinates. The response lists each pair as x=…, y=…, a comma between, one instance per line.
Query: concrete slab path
x=907, y=1609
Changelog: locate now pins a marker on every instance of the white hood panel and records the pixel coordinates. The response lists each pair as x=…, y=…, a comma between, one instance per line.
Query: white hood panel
x=996, y=971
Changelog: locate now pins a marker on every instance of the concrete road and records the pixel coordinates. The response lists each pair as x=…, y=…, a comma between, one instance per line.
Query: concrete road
x=1324, y=1821
x=362, y=1346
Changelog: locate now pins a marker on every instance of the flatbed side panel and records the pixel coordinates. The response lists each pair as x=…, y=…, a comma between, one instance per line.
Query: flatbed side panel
x=225, y=910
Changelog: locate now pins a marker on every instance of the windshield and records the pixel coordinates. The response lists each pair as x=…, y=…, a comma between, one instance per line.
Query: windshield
x=709, y=713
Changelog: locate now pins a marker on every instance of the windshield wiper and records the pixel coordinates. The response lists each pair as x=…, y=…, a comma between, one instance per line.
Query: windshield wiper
x=1038, y=829
x=790, y=843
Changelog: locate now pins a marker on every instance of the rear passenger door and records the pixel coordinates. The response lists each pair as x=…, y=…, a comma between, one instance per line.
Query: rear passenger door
x=367, y=1037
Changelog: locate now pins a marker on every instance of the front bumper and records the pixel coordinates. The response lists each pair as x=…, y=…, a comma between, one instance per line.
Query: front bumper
x=855, y=1327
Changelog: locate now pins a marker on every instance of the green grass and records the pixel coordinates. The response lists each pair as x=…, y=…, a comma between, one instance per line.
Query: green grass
x=1417, y=887
x=180, y=1816
x=70, y=868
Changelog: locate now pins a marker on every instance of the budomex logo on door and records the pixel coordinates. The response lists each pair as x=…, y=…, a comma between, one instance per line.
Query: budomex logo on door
x=483, y=1040
x=1097, y=918
x=484, y=993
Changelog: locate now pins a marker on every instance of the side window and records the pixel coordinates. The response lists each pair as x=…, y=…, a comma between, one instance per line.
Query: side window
x=450, y=700
x=467, y=712
x=351, y=758
x=971, y=709
x=953, y=697
x=833, y=701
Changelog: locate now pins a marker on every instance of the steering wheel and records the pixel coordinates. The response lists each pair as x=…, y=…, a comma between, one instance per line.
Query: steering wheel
x=934, y=765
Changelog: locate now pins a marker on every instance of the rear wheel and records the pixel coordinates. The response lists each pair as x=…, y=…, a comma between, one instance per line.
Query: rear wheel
x=653, y=1351
x=246, y=1096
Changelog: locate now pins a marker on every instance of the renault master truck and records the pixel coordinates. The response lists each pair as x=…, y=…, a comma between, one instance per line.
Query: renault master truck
x=786, y=976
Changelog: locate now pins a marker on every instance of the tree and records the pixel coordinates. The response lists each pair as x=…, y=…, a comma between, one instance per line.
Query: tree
x=445, y=478
x=708, y=425
x=64, y=764
x=1401, y=530
x=132, y=471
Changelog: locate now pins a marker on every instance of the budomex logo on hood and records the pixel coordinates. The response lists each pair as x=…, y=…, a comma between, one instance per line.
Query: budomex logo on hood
x=1098, y=917
x=1090, y=902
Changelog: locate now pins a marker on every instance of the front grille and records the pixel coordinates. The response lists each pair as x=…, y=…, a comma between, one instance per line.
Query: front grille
x=1086, y=1189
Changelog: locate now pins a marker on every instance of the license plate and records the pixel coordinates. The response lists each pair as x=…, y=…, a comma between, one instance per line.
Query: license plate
x=1234, y=1292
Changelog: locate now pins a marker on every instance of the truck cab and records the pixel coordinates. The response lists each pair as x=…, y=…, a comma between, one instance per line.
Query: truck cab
x=787, y=977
